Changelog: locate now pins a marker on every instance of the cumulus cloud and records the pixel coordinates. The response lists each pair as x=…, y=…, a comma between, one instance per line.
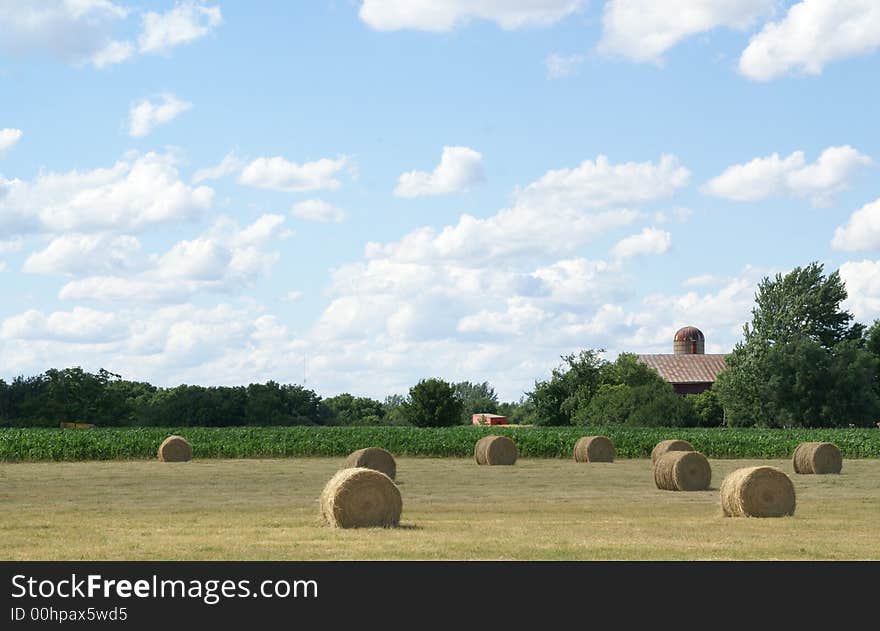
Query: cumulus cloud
x=224, y=259
x=648, y=241
x=772, y=176
x=229, y=165
x=317, y=210
x=279, y=174
x=460, y=168
x=135, y=193
x=599, y=183
x=862, y=280
x=862, y=231
x=812, y=34
x=8, y=137
x=561, y=66
x=76, y=254
x=430, y=15
x=145, y=115
x=84, y=31
x=79, y=325
x=643, y=30
x=184, y=23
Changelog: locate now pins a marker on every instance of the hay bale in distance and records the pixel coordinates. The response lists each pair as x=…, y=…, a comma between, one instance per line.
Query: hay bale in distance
x=361, y=498
x=757, y=492
x=682, y=471
x=372, y=458
x=175, y=449
x=594, y=449
x=817, y=458
x=669, y=445
x=495, y=450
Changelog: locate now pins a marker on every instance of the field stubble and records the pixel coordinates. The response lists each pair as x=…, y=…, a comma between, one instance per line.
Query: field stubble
x=453, y=509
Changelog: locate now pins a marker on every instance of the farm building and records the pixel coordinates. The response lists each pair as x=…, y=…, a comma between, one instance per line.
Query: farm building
x=689, y=369
x=488, y=419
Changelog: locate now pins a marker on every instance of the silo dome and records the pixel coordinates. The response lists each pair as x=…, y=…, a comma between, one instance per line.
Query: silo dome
x=689, y=340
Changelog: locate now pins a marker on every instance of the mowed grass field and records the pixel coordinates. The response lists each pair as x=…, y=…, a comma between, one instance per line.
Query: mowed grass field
x=453, y=509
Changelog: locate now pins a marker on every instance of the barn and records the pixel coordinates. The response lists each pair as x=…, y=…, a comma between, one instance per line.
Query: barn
x=689, y=369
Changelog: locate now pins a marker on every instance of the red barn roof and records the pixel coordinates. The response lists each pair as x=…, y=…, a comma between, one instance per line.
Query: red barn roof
x=686, y=368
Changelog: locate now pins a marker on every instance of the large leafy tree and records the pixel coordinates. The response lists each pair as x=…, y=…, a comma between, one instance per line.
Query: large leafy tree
x=476, y=398
x=570, y=387
x=432, y=403
x=803, y=360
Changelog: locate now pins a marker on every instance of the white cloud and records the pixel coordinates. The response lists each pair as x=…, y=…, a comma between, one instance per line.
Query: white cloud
x=813, y=34
x=771, y=175
x=648, y=241
x=145, y=115
x=77, y=31
x=862, y=231
x=862, y=280
x=185, y=23
x=78, y=325
x=11, y=245
x=561, y=66
x=643, y=30
x=431, y=15
x=115, y=52
x=700, y=280
x=460, y=168
x=292, y=296
x=317, y=210
x=224, y=259
x=8, y=137
x=135, y=193
x=76, y=254
x=229, y=165
x=598, y=184
x=279, y=174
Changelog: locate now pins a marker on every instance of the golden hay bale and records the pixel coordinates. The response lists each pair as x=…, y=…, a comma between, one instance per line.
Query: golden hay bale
x=757, y=492
x=594, y=449
x=372, y=458
x=817, y=458
x=175, y=449
x=682, y=471
x=669, y=445
x=495, y=450
x=361, y=498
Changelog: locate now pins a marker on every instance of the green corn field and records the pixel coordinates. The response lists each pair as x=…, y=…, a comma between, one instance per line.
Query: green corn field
x=281, y=442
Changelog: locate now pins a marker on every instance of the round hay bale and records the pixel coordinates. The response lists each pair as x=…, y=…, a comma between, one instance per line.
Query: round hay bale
x=669, y=445
x=682, y=471
x=594, y=449
x=817, y=458
x=757, y=492
x=175, y=449
x=495, y=450
x=361, y=498
x=372, y=458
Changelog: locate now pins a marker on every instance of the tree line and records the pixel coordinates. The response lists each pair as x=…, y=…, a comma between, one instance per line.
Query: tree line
x=803, y=362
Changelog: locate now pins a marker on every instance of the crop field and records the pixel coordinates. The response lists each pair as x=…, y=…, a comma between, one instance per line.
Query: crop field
x=539, y=508
x=532, y=442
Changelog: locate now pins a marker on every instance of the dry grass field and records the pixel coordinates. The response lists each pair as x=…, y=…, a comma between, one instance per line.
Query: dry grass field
x=453, y=509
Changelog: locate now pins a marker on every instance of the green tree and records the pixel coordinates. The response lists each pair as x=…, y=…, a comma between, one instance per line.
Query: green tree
x=432, y=403
x=570, y=387
x=346, y=409
x=707, y=409
x=803, y=360
x=476, y=398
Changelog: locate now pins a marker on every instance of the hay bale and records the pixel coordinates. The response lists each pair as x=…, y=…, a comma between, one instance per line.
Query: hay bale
x=669, y=445
x=682, y=471
x=495, y=450
x=374, y=458
x=757, y=492
x=361, y=498
x=175, y=449
x=594, y=449
x=817, y=458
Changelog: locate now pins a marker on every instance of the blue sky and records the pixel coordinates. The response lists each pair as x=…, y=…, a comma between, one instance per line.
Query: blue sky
x=365, y=193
